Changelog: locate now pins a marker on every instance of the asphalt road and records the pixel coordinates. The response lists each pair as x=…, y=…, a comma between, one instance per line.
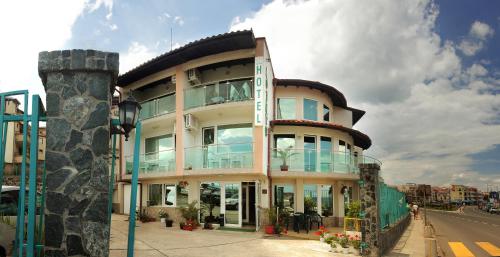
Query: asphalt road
x=467, y=228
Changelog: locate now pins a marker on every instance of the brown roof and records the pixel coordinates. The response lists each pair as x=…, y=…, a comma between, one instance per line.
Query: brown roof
x=360, y=139
x=338, y=99
x=230, y=41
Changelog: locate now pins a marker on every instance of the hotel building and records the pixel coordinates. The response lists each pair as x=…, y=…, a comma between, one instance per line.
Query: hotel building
x=218, y=128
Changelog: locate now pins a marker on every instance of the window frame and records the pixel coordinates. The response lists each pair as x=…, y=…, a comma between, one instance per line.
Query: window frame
x=303, y=108
x=278, y=113
x=329, y=112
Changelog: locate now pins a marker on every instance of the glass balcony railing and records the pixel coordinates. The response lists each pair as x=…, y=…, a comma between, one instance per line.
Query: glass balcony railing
x=156, y=107
x=218, y=93
x=317, y=161
x=162, y=161
x=229, y=156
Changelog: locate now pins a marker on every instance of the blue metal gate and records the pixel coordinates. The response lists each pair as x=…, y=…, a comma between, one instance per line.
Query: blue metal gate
x=26, y=242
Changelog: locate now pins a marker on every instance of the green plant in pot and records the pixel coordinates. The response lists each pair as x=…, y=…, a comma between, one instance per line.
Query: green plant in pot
x=284, y=155
x=271, y=223
x=190, y=214
x=163, y=215
x=309, y=205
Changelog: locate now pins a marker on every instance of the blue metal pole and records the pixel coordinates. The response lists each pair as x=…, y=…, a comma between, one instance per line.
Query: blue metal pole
x=42, y=207
x=22, y=185
x=32, y=178
x=2, y=145
x=111, y=179
x=133, y=193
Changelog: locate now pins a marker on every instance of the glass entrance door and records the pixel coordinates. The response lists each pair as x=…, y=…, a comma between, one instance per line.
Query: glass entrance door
x=309, y=153
x=232, y=203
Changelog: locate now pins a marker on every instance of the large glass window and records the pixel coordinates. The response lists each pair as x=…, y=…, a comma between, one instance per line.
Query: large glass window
x=170, y=195
x=326, y=200
x=286, y=108
x=155, y=194
x=310, y=198
x=235, y=138
x=284, y=197
x=158, y=147
x=326, y=113
x=182, y=195
x=310, y=109
x=284, y=141
x=210, y=197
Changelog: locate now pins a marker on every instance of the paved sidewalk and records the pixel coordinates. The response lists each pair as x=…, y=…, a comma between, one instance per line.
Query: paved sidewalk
x=412, y=242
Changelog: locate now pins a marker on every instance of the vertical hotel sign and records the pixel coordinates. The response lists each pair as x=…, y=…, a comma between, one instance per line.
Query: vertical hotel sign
x=259, y=90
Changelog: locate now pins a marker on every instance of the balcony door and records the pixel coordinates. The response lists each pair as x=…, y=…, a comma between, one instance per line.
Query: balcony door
x=310, y=153
x=208, y=147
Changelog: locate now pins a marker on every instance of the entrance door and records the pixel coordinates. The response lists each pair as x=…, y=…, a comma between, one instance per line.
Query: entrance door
x=257, y=201
x=232, y=203
x=309, y=153
x=248, y=202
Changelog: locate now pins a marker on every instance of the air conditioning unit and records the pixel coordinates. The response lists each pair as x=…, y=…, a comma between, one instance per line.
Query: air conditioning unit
x=190, y=122
x=194, y=76
x=173, y=79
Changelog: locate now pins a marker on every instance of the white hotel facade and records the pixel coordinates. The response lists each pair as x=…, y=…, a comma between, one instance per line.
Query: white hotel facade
x=217, y=127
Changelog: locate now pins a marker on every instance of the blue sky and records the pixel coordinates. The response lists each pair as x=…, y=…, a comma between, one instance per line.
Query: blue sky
x=427, y=72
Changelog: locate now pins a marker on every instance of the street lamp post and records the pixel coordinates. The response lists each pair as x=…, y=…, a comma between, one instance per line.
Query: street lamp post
x=129, y=110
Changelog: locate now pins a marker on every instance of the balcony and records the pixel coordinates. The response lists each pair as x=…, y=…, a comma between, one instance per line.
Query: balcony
x=322, y=162
x=157, y=107
x=219, y=157
x=218, y=93
x=153, y=163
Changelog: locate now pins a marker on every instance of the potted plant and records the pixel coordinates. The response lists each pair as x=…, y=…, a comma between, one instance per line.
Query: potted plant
x=284, y=155
x=163, y=215
x=355, y=243
x=271, y=216
x=190, y=214
x=344, y=243
x=309, y=205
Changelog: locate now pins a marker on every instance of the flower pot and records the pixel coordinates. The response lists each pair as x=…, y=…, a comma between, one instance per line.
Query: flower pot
x=269, y=229
x=169, y=223
x=322, y=239
x=334, y=248
x=345, y=250
x=162, y=220
x=356, y=252
x=284, y=167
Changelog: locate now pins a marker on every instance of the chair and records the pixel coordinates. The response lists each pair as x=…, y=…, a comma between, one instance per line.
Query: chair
x=314, y=217
x=300, y=220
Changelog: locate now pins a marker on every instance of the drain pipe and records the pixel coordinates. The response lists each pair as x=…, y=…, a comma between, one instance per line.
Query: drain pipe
x=270, y=188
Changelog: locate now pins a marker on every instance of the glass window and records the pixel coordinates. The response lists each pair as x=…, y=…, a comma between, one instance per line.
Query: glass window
x=342, y=148
x=284, y=141
x=155, y=194
x=326, y=113
x=286, y=108
x=284, y=197
x=310, y=109
x=209, y=201
x=170, y=195
x=182, y=196
x=310, y=198
x=326, y=200
x=235, y=138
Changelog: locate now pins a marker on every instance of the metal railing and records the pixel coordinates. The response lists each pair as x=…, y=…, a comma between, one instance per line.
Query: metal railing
x=219, y=156
x=218, y=93
x=161, y=161
x=308, y=160
x=158, y=106
x=392, y=205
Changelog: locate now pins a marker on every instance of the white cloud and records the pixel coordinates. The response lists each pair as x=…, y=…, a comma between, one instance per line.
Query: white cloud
x=113, y=27
x=135, y=56
x=179, y=20
x=481, y=30
x=425, y=113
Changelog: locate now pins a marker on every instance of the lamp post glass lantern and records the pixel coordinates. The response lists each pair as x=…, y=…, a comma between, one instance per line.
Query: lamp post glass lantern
x=129, y=114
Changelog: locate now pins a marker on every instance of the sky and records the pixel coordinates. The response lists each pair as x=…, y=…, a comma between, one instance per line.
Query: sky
x=426, y=72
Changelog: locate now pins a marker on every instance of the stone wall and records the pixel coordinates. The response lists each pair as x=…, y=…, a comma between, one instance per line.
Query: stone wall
x=78, y=84
x=369, y=175
x=390, y=236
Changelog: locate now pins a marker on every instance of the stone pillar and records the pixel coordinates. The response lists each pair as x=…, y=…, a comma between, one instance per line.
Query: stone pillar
x=79, y=84
x=369, y=195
